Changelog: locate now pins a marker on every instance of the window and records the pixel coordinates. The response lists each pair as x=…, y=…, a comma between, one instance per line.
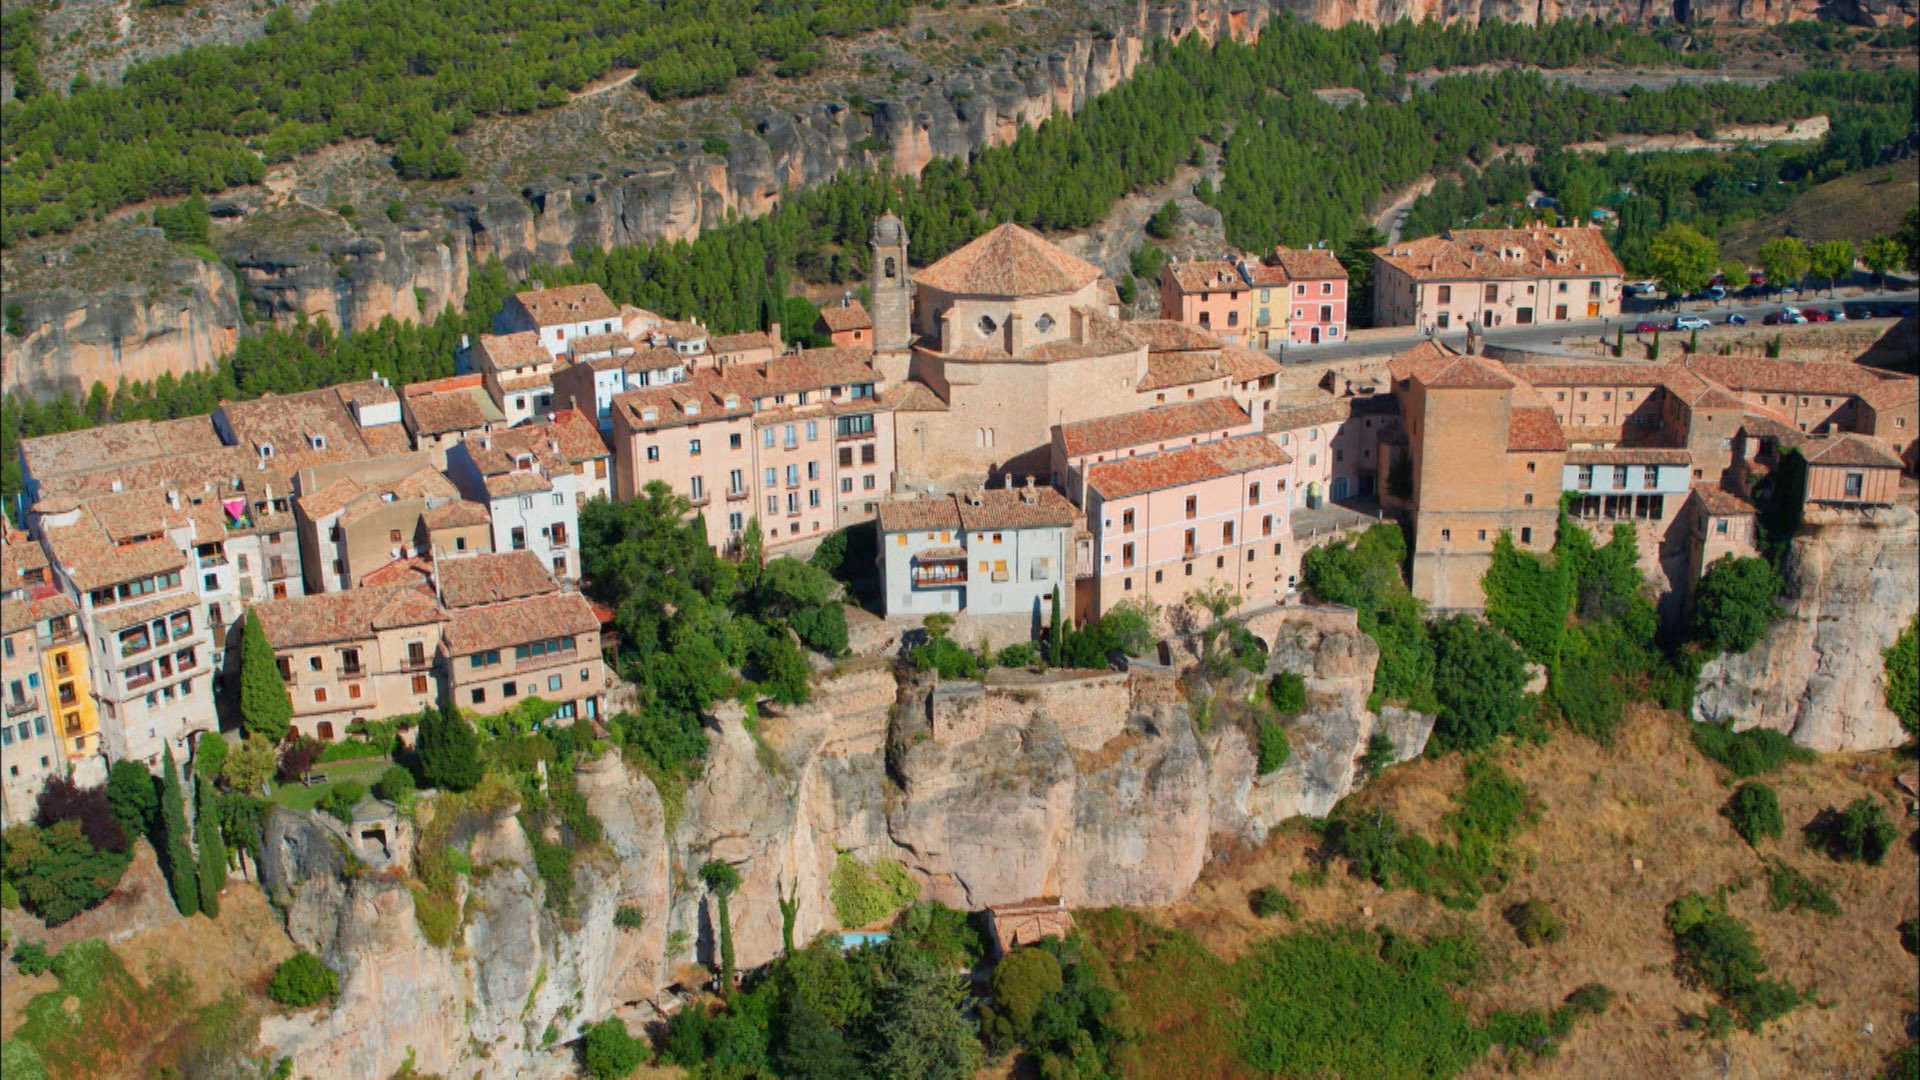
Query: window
x=1492, y=293
x=1126, y=521
x=693, y=447
x=987, y=325
x=1189, y=546
x=1126, y=555
x=734, y=522
x=1253, y=492
x=813, y=430
x=813, y=470
x=1446, y=534
x=479, y=695
x=1193, y=506
x=1233, y=318
x=793, y=476
x=846, y=457
x=1483, y=534
x=1720, y=525
x=766, y=437
x=1529, y=498
x=736, y=482
x=1526, y=535
x=553, y=682
x=733, y=441
x=1446, y=295
x=1649, y=478
x=320, y=694
x=789, y=437
x=1266, y=525
x=867, y=483
x=519, y=538
x=697, y=489
x=1619, y=477
x=1856, y=484
x=653, y=453
x=813, y=497
x=867, y=453
x=509, y=689
x=419, y=684
x=846, y=485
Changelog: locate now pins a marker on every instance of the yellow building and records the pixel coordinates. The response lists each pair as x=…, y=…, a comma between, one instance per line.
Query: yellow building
x=63, y=665
x=49, y=724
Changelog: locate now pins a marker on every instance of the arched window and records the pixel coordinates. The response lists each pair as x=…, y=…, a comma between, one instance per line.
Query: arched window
x=891, y=270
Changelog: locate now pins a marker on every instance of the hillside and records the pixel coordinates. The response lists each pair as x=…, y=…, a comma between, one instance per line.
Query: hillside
x=1853, y=207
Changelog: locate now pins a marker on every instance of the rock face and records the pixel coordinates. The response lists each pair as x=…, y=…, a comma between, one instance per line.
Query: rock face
x=298, y=258
x=1092, y=787
x=1852, y=584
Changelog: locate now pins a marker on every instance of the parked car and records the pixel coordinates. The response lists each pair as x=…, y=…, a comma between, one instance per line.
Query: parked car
x=1752, y=292
x=1645, y=326
x=1736, y=319
x=1716, y=292
x=1837, y=314
x=1642, y=288
x=1785, y=315
x=1816, y=315
x=1690, y=322
x=1756, y=277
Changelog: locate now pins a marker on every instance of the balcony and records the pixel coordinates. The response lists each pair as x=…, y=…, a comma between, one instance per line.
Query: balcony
x=16, y=706
x=209, y=562
x=937, y=571
x=736, y=496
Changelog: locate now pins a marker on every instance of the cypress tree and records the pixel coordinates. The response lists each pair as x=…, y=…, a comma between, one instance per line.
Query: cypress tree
x=1056, y=637
x=174, y=852
x=449, y=750
x=722, y=879
x=265, y=708
x=213, y=850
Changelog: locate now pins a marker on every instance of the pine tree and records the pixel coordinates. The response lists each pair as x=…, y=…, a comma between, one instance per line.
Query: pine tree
x=213, y=850
x=265, y=708
x=449, y=750
x=173, y=847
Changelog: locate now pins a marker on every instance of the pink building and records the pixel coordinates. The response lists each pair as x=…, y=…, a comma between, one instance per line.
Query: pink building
x=1209, y=294
x=1078, y=447
x=1311, y=285
x=1208, y=516
x=1335, y=447
x=804, y=442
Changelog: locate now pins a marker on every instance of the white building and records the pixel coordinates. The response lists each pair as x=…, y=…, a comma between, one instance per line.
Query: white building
x=993, y=551
x=532, y=491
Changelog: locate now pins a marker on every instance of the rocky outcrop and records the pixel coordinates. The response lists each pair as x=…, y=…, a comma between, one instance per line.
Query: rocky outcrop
x=1852, y=584
x=1088, y=786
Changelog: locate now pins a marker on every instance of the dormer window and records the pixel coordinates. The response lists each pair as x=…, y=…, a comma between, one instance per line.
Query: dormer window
x=266, y=449
x=649, y=414
x=317, y=442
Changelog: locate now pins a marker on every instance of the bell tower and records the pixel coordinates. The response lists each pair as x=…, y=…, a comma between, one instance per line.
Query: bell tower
x=892, y=290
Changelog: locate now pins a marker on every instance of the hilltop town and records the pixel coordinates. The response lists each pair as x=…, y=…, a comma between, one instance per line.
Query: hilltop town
x=1121, y=512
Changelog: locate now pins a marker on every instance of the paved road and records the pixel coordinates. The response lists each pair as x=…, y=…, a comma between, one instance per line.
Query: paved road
x=1379, y=343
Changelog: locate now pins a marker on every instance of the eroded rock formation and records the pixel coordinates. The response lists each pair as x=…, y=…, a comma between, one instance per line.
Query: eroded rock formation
x=1096, y=788
x=1852, y=585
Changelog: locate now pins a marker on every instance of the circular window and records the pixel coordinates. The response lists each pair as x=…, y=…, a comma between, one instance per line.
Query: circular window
x=987, y=325
x=1043, y=324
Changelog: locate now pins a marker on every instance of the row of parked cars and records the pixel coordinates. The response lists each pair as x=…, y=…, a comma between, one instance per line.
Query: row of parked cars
x=1792, y=316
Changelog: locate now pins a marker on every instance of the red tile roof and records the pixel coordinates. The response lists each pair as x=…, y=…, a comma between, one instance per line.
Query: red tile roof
x=1849, y=451
x=514, y=622
x=1156, y=425
x=1488, y=254
x=1008, y=261
x=979, y=509
x=505, y=352
x=1307, y=264
x=1533, y=428
x=471, y=580
x=1168, y=335
x=1247, y=364
x=1628, y=455
x=1191, y=465
x=324, y=618
x=1721, y=502
x=846, y=315
x=1206, y=276
x=567, y=304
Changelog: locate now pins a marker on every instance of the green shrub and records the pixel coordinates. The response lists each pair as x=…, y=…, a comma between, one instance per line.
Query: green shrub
x=1288, y=692
x=438, y=916
x=1860, y=833
x=1789, y=889
x=1734, y=603
x=1748, y=753
x=610, y=1052
x=1910, y=935
x=1489, y=810
x=1534, y=922
x=56, y=873
x=1479, y=679
x=1591, y=999
x=1526, y=597
x=1717, y=952
x=395, y=785
x=341, y=800
x=1267, y=901
x=1271, y=747
x=1754, y=811
x=32, y=958
x=628, y=917
x=1379, y=755
x=302, y=980
x=1018, y=655
x=946, y=656
x=866, y=892
x=1902, y=663
x=1022, y=983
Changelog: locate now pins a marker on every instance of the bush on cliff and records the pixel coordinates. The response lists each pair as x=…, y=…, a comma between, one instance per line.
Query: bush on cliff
x=1734, y=603
x=866, y=892
x=1903, y=677
x=302, y=980
x=1754, y=811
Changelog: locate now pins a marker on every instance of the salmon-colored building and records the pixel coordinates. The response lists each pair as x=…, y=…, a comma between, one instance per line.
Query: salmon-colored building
x=1496, y=277
x=1166, y=525
x=1210, y=294
x=1299, y=295
x=847, y=323
x=366, y=653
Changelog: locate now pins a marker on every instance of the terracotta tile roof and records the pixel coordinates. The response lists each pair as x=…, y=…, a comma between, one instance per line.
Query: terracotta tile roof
x=470, y=580
x=1008, y=261
x=1171, y=369
x=1805, y=377
x=87, y=553
x=846, y=315
x=567, y=304
x=1469, y=373
x=19, y=555
x=513, y=384
x=578, y=438
x=727, y=344
x=1156, y=425
x=1294, y=417
x=616, y=343
x=808, y=369
x=349, y=615
x=115, y=619
x=1574, y=374
x=505, y=352
x=456, y=513
x=1263, y=276
x=405, y=570
x=329, y=498
x=19, y=614
x=1247, y=364
x=1168, y=335
x=1421, y=361
x=655, y=407
x=1628, y=455
x=1486, y=254
x=679, y=330
x=1533, y=428
x=915, y=397
x=1206, y=276
x=1891, y=392
x=1307, y=264
x=1720, y=502
x=1849, y=451
x=1771, y=426
x=918, y=515
x=1177, y=468
x=367, y=392
x=312, y=428
x=534, y=618
x=446, y=411
x=116, y=446
x=1014, y=508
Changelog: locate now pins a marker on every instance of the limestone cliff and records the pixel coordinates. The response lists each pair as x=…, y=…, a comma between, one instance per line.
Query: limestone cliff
x=1093, y=786
x=1852, y=584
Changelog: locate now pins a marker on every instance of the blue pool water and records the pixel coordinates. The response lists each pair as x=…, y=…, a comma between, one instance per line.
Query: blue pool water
x=853, y=939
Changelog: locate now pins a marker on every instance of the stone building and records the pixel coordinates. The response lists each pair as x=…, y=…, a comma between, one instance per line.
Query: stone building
x=367, y=653
x=513, y=633
x=1496, y=277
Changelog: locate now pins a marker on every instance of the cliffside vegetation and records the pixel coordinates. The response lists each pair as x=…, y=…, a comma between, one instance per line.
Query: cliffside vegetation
x=406, y=73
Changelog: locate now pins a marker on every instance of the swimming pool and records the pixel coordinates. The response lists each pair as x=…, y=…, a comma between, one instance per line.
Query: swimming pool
x=853, y=939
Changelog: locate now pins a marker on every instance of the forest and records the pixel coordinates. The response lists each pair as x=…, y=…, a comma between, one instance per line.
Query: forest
x=407, y=73
x=1297, y=170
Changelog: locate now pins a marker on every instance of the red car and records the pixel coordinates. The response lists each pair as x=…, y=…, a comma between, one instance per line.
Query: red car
x=1818, y=315
x=1648, y=328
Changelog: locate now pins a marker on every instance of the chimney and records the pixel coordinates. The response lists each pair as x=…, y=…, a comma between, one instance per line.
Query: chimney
x=173, y=498
x=773, y=331
x=846, y=298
